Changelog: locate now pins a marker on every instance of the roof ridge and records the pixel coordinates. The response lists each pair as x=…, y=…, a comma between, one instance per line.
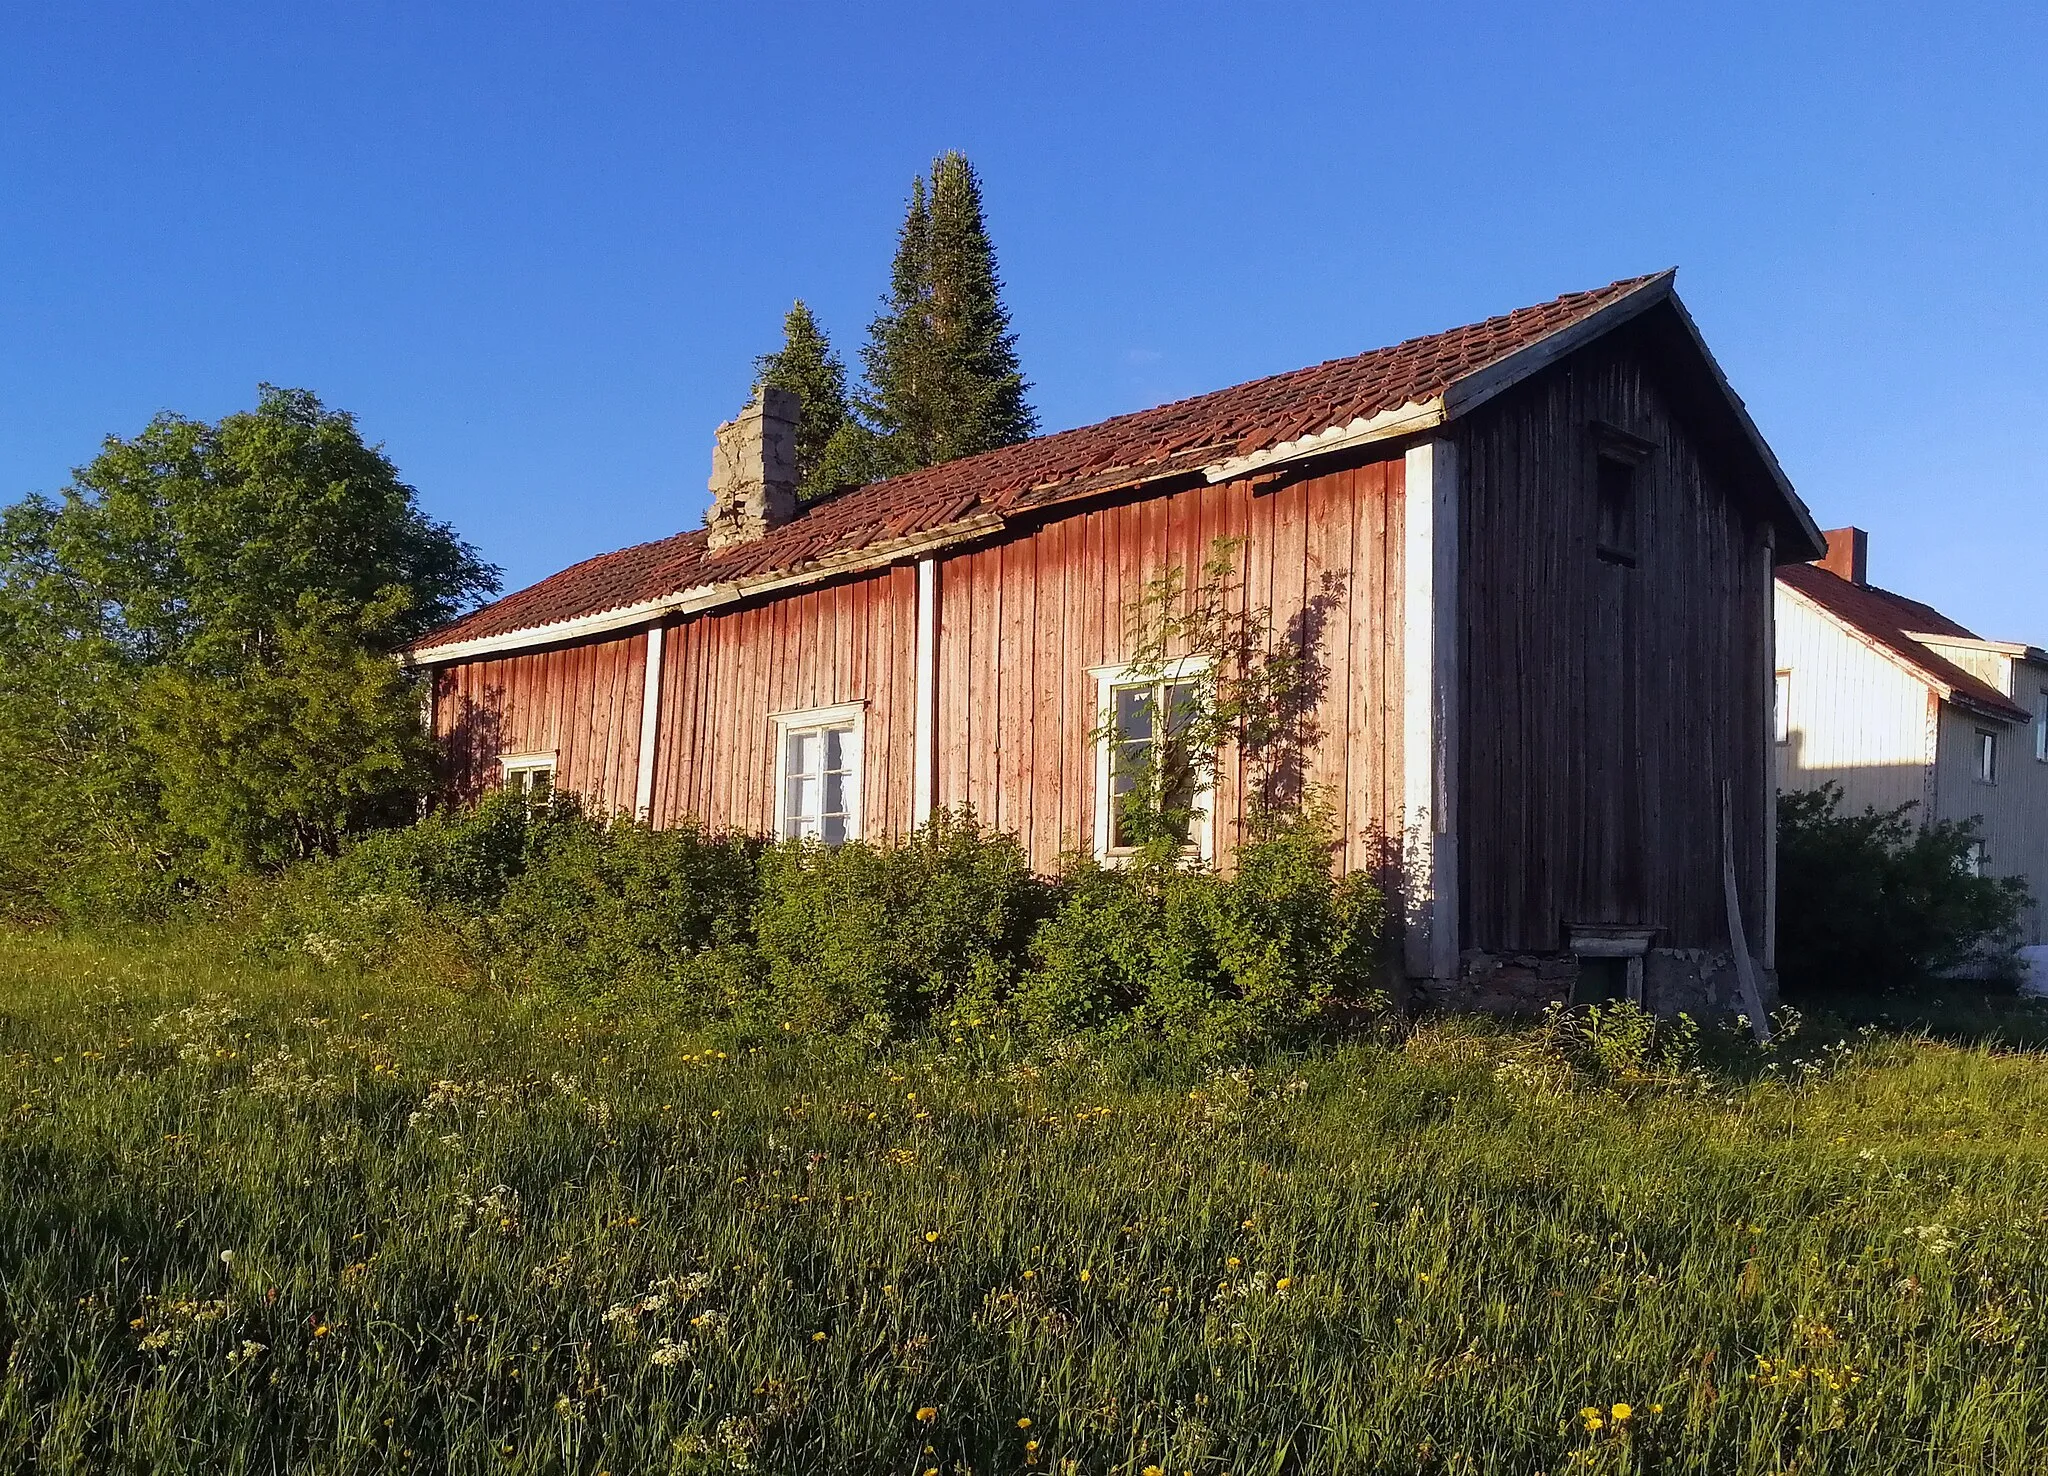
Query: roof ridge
x=1255, y=416
x=1622, y=285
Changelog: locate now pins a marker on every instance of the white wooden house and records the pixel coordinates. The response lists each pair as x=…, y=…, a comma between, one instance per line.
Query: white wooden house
x=1897, y=703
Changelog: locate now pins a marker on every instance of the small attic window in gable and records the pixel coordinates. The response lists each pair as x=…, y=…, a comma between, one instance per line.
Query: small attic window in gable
x=1617, y=466
x=1617, y=487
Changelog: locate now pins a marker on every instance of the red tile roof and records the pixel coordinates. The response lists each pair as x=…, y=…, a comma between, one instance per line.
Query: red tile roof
x=1890, y=620
x=1183, y=436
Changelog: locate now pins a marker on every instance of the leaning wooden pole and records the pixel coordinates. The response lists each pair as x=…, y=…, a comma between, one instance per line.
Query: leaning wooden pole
x=1745, y=968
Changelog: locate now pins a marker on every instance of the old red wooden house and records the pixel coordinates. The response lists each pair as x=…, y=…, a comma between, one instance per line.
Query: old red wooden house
x=1536, y=554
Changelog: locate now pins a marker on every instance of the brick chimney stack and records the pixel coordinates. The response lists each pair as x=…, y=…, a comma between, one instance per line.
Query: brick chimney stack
x=1848, y=554
x=753, y=470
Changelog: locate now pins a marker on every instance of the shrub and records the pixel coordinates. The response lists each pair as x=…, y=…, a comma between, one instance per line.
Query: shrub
x=868, y=939
x=438, y=881
x=549, y=895
x=1875, y=903
x=604, y=909
x=1213, y=962
x=876, y=938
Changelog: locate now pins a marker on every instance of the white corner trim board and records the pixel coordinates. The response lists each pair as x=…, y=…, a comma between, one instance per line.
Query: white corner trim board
x=650, y=727
x=924, y=762
x=1429, y=708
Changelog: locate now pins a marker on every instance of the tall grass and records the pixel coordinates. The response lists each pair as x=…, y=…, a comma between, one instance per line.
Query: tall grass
x=252, y=1220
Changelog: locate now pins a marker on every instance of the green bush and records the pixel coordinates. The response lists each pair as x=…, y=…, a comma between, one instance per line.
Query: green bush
x=878, y=939
x=549, y=896
x=1873, y=903
x=434, y=884
x=604, y=909
x=1211, y=961
x=871, y=940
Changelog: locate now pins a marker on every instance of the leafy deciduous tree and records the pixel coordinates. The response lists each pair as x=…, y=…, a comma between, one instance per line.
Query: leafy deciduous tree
x=198, y=626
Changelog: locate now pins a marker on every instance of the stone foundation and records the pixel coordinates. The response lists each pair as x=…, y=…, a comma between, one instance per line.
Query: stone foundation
x=1700, y=982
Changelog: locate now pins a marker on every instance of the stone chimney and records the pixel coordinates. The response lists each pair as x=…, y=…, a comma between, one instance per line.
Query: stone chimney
x=1848, y=554
x=753, y=470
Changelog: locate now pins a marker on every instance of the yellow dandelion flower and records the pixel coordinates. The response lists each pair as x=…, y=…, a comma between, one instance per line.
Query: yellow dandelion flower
x=1024, y=1424
x=931, y=1236
x=1154, y=1471
x=817, y=1337
x=1084, y=1273
x=1283, y=1283
x=926, y=1415
x=1233, y=1263
x=1621, y=1412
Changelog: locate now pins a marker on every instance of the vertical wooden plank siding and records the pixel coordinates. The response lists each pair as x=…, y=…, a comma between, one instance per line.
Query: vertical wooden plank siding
x=1019, y=625
x=1857, y=715
x=1027, y=620
x=726, y=674
x=580, y=703
x=1605, y=705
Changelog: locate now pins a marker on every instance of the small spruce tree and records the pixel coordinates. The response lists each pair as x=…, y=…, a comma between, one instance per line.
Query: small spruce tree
x=806, y=366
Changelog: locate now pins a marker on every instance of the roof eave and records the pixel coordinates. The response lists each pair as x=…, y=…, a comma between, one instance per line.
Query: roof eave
x=704, y=596
x=1387, y=425
x=1997, y=712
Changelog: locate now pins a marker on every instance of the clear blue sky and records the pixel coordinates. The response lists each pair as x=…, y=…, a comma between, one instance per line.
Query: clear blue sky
x=535, y=248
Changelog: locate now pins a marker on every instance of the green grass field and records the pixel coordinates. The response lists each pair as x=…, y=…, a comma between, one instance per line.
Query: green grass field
x=252, y=1221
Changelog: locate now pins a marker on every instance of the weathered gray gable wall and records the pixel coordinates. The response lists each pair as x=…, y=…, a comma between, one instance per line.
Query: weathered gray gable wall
x=1604, y=706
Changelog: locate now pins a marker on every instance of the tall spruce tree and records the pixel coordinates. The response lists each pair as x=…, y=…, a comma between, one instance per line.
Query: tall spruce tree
x=943, y=379
x=806, y=366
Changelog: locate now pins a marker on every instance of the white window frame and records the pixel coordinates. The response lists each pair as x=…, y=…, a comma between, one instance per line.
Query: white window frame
x=1108, y=679
x=1978, y=861
x=1781, y=706
x=1986, y=756
x=519, y=764
x=852, y=715
x=2041, y=725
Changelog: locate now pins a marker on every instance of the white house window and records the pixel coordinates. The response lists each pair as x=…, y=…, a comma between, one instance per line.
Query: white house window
x=1142, y=713
x=1781, y=710
x=531, y=776
x=817, y=774
x=1987, y=757
x=2041, y=726
x=1978, y=862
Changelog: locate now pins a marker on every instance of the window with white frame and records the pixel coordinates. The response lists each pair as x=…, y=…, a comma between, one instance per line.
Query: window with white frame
x=1781, y=712
x=2041, y=725
x=1987, y=756
x=1144, y=714
x=531, y=776
x=817, y=774
x=1978, y=861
